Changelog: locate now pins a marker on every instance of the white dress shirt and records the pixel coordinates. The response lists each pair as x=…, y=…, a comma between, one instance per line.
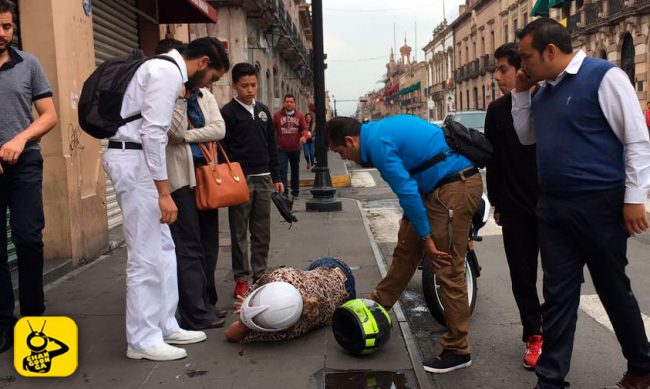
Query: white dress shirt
x=620, y=105
x=152, y=92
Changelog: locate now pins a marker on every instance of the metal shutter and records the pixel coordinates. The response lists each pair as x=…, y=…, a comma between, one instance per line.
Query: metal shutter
x=115, y=31
x=11, y=249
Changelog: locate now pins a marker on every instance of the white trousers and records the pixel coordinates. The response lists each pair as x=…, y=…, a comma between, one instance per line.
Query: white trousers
x=151, y=283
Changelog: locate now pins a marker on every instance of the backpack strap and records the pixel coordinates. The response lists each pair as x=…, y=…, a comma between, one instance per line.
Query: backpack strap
x=430, y=162
x=163, y=57
x=167, y=58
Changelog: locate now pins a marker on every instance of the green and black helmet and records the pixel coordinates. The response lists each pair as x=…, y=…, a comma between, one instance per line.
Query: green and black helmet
x=361, y=326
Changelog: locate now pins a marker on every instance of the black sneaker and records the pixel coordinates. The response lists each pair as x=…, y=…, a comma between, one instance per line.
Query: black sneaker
x=447, y=361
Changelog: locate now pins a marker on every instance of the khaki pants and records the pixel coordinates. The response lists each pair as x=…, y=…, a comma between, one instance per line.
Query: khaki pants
x=254, y=216
x=463, y=198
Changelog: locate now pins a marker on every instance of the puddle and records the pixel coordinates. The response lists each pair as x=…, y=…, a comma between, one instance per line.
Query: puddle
x=367, y=379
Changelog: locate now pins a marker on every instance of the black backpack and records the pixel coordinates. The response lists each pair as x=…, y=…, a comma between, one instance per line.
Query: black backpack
x=469, y=143
x=101, y=97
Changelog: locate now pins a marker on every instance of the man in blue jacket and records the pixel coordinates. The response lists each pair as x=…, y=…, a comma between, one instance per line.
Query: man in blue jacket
x=438, y=199
x=593, y=166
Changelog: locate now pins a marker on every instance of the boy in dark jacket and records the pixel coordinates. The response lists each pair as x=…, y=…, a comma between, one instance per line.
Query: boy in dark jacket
x=291, y=132
x=250, y=140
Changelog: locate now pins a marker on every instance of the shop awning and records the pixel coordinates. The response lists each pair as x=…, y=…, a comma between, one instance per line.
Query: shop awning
x=390, y=89
x=410, y=89
x=186, y=11
x=541, y=7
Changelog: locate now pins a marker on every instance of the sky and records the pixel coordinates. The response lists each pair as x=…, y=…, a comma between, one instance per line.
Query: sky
x=358, y=36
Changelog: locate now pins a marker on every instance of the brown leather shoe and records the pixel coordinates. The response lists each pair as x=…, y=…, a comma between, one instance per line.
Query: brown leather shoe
x=631, y=381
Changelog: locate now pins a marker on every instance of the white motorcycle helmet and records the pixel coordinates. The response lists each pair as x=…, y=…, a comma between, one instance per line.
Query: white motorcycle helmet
x=272, y=307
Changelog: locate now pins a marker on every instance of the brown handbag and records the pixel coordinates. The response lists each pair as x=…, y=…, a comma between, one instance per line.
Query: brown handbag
x=219, y=185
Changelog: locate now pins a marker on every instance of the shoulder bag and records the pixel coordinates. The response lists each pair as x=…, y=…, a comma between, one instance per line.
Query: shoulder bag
x=219, y=185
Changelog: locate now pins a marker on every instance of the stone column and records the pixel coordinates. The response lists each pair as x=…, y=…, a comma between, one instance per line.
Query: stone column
x=60, y=34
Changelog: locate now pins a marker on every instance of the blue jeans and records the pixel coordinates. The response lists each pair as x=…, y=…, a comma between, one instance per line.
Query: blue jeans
x=292, y=157
x=332, y=263
x=310, y=152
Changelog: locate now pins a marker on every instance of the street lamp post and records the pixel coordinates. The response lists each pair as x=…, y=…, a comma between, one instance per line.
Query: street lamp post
x=324, y=194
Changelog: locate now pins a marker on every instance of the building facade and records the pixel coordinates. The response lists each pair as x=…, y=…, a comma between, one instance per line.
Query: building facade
x=441, y=87
x=476, y=35
x=275, y=36
x=404, y=89
x=72, y=37
x=615, y=30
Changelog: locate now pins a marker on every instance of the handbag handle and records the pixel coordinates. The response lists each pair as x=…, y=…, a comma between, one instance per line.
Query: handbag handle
x=212, y=161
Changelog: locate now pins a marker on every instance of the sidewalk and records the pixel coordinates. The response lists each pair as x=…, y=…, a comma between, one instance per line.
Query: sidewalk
x=94, y=297
x=338, y=172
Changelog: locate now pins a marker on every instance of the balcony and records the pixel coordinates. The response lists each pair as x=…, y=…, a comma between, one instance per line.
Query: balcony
x=592, y=13
x=484, y=63
x=474, y=68
x=487, y=62
x=615, y=6
x=573, y=23
x=460, y=74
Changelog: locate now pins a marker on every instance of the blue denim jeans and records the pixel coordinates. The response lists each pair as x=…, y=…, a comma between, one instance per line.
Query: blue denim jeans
x=309, y=149
x=293, y=158
x=332, y=263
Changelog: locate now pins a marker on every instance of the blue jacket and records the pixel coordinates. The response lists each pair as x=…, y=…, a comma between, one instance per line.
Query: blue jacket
x=401, y=143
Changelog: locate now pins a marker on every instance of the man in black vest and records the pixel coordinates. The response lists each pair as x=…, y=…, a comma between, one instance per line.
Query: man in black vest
x=512, y=190
x=593, y=160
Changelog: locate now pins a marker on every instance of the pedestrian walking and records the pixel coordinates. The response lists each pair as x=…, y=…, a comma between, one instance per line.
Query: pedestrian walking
x=291, y=134
x=196, y=119
x=136, y=164
x=309, y=146
x=438, y=199
x=24, y=85
x=250, y=140
x=593, y=160
x=512, y=190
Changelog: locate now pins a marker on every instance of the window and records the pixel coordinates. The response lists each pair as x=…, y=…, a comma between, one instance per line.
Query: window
x=483, y=88
x=276, y=83
x=506, y=38
x=515, y=26
x=492, y=43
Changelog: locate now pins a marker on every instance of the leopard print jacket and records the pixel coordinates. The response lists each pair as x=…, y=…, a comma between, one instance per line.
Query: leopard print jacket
x=322, y=284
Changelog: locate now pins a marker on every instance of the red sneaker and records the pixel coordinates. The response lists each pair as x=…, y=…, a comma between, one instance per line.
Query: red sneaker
x=241, y=288
x=533, y=351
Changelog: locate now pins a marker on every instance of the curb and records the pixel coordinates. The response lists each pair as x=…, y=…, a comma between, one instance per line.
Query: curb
x=423, y=378
x=337, y=181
